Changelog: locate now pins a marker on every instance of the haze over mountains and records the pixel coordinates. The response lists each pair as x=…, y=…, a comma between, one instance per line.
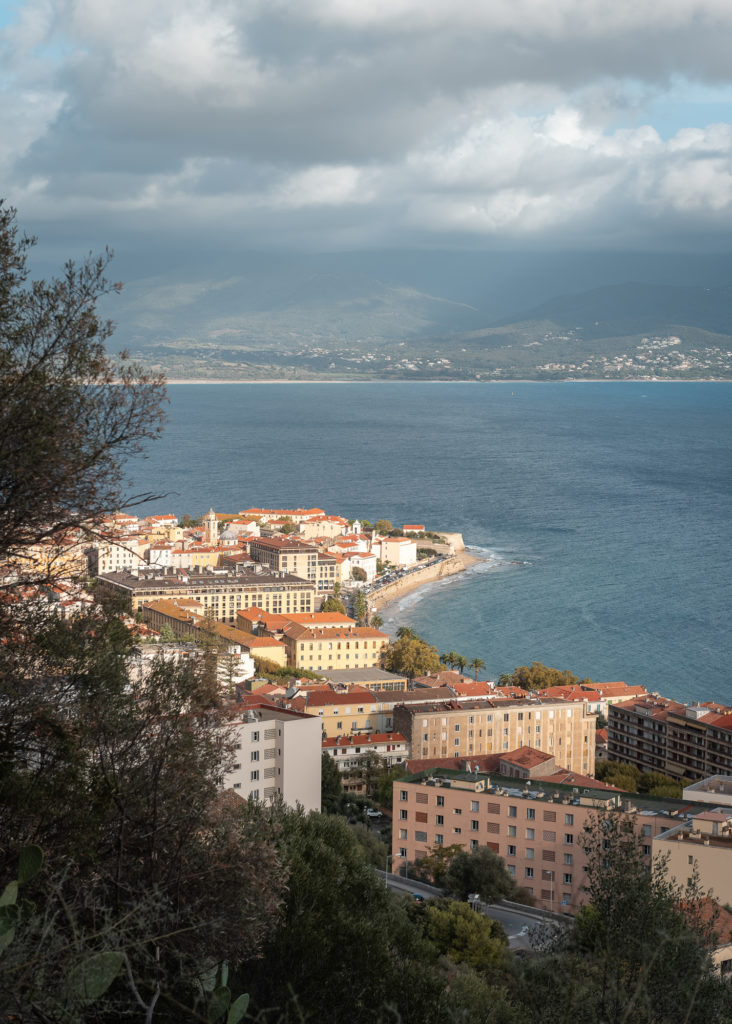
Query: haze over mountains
x=434, y=314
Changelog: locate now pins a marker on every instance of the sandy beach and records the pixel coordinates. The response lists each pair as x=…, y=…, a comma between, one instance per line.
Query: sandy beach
x=457, y=563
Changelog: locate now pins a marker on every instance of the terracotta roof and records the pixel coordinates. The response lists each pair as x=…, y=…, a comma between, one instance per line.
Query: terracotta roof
x=527, y=757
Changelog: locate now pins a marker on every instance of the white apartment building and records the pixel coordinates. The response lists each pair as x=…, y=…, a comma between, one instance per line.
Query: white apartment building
x=277, y=753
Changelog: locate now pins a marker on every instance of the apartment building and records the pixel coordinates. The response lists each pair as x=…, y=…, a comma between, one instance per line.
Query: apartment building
x=537, y=826
x=453, y=728
x=286, y=554
x=333, y=648
x=277, y=754
x=681, y=740
x=221, y=593
x=347, y=751
x=700, y=845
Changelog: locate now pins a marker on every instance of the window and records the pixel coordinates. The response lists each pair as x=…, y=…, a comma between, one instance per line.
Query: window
x=474, y=806
x=512, y=830
x=254, y=776
x=529, y=872
x=646, y=830
x=237, y=785
x=568, y=858
x=569, y=819
x=568, y=839
x=255, y=755
x=567, y=879
x=512, y=811
x=420, y=837
x=511, y=851
x=691, y=858
x=403, y=814
x=440, y=801
x=474, y=844
x=439, y=838
x=646, y=851
x=439, y=820
x=402, y=833
x=237, y=767
x=530, y=833
x=473, y=825
x=255, y=737
x=404, y=795
x=530, y=813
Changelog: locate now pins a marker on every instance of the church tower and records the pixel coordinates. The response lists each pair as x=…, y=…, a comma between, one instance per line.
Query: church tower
x=211, y=527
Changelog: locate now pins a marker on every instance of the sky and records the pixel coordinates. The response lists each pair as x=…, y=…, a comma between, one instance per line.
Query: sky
x=327, y=125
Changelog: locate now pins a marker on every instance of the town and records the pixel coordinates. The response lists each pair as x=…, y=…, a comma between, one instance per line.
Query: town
x=286, y=603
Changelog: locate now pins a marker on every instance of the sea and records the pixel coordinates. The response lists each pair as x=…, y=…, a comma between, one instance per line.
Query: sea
x=601, y=512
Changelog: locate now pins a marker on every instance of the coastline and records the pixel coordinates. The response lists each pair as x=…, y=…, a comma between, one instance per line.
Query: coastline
x=455, y=380
x=457, y=563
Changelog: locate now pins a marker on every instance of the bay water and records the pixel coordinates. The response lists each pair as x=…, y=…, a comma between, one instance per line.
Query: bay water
x=602, y=511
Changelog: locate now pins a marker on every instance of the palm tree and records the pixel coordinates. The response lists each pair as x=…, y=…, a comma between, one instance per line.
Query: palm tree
x=461, y=662
x=476, y=664
x=449, y=659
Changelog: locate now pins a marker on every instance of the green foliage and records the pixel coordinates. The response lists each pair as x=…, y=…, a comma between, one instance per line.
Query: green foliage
x=287, y=528
x=385, y=785
x=466, y=936
x=639, y=952
x=359, y=574
x=331, y=786
x=71, y=414
x=631, y=779
x=332, y=604
x=344, y=950
x=360, y=608
x=435, y=864
x=410, y=655
x=539, y=677
x=479, y=870
x=383, y=526
x=424, y=553
x=476, y=664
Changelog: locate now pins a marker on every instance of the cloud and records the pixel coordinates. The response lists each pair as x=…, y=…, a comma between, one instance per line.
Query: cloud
x=321, y=123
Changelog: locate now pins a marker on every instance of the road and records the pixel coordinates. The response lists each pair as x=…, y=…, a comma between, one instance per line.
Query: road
x=519, y=923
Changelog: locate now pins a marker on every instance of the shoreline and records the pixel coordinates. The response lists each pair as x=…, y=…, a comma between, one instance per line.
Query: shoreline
x=456, y=380
x=458, y=563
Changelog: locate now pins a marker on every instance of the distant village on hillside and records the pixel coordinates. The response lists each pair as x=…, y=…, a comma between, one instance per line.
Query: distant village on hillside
x=286, y=603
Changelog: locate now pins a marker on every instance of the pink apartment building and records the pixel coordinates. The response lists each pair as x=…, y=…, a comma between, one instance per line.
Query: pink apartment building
x=535, y=825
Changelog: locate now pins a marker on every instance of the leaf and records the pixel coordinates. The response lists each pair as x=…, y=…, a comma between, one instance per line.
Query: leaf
x=219, y=1003
x=238, y=1009
x=92, y=977
x=10, y=894
x=31, y=859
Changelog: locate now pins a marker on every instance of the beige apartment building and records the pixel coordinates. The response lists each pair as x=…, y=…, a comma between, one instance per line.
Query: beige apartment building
x=220, y=593
x=340, y=648
x=566, y=730
x=286, y=554
x=537, y=827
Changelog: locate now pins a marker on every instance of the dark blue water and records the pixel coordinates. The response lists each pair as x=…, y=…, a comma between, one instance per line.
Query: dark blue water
x=606, y=507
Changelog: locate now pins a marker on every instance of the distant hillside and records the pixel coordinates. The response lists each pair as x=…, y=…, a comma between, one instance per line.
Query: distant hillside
x=305, y=318
x=634, y=308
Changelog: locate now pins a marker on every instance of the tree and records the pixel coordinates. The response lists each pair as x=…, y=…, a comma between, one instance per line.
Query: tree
x=539, y=677
x=360, y=607
x=71, y=414
x=411, y=656
x=465, y=936
x=331, y=786
x=638, y=951
x=344, y=949
x=461, y=662
x=476, y=664
x=359, y=574
x=479, y=870
x=383, y=526
x=332, y=604
x=376, y=621
x=436, y=863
